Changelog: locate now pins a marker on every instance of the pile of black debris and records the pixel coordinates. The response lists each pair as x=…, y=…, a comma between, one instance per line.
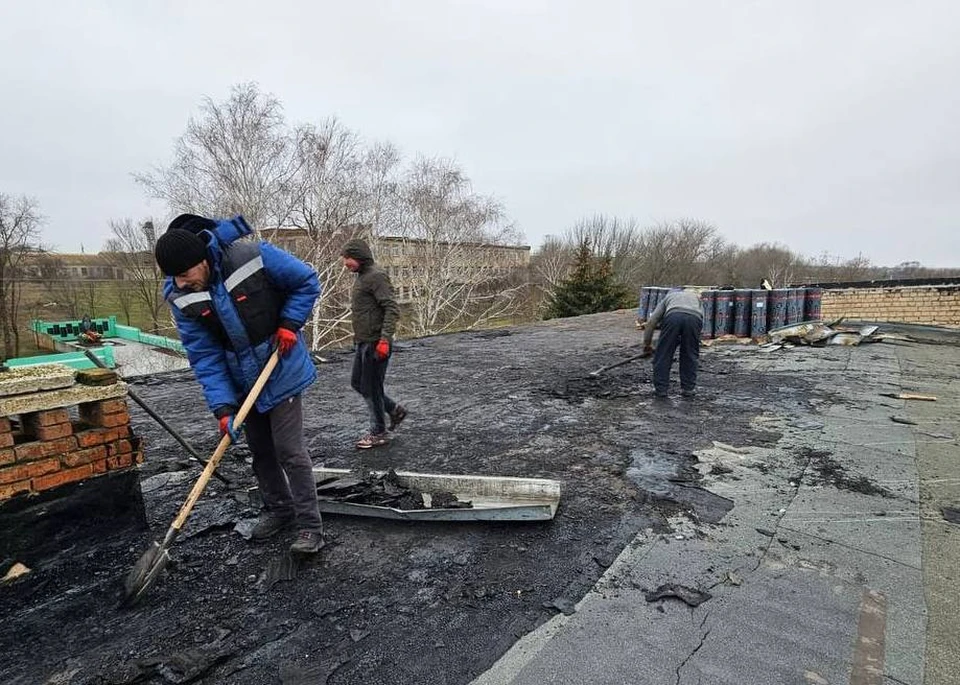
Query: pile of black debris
x=385, y=490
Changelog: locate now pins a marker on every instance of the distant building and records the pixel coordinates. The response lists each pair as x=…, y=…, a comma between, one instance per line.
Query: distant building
x=92, y=267
x=404, y=259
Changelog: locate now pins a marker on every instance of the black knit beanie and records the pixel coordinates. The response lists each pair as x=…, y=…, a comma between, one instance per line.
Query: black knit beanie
x=178, y=250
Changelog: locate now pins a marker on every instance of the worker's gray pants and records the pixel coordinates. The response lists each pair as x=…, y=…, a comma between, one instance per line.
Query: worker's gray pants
x=681, y=330
x=283, y=468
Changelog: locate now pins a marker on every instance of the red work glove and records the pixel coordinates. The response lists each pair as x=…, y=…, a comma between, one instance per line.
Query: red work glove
x=382, y=350
x=226, y=428
x=647, y=350
x=285, y=340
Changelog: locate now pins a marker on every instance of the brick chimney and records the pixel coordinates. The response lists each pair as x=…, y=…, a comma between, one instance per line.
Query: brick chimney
x=68, y=459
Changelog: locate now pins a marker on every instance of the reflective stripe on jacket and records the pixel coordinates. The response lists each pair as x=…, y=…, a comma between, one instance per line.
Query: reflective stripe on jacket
x=227, y=330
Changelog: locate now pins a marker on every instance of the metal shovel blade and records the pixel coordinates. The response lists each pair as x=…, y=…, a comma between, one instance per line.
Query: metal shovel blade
x=144, y=573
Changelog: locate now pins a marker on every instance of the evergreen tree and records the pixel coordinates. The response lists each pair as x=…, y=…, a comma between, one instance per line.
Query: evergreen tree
x=589, y=289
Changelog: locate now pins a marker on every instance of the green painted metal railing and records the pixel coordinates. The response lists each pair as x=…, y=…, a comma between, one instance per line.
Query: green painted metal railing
x=63, y=331
x=60, y=334
x=131, y=333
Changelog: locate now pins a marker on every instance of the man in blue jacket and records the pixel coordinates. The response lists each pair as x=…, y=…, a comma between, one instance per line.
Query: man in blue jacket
x=232, y=301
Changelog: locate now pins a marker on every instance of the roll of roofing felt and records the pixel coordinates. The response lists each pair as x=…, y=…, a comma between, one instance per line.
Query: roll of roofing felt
x=723, y=313
x=741, y=313
x=777, y=308
x=812, y=301
x=708, y=301
x=794, y=306
x=758, y=312
x=644, y=309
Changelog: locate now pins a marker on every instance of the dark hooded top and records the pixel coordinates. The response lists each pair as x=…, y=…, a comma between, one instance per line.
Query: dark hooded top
x=374, y=310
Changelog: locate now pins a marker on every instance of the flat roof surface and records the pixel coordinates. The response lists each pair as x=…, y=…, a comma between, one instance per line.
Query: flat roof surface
x=785, y=490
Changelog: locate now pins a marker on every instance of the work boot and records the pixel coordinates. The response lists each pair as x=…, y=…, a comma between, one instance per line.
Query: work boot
x=307, y=542
x=397, y=416
x=688, y=394
x=270, y=523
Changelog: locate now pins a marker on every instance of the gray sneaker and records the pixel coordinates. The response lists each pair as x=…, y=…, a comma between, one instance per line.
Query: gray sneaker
x=270, y=523
x=307, y=542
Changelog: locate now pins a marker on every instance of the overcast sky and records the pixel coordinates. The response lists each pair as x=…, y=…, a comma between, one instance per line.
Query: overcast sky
x=829, y=126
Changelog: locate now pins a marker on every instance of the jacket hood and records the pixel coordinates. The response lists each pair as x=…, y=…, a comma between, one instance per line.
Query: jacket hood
x=359, y=250
x=227, y=231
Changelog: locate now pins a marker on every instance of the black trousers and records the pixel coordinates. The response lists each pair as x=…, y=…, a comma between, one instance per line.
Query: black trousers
x=677, y=330
x=283, y=468
x=367, y=379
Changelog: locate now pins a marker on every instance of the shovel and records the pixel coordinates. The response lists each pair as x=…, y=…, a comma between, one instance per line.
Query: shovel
x=148, y=568
x=622, y=362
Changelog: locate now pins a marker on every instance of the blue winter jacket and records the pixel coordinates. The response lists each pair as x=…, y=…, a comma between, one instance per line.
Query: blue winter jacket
x=227, y=330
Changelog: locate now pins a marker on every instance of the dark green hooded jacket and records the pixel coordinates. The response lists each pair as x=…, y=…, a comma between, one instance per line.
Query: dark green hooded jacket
x=374, y=310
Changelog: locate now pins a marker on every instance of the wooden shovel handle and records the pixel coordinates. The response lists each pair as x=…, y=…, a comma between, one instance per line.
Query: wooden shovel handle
x=211, y=466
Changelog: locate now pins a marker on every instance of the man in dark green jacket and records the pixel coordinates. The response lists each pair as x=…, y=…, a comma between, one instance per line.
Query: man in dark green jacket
x=374, y=315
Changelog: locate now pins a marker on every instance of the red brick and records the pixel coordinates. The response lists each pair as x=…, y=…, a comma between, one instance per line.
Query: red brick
x=47, y=417
x=95, y=436
x=55, y=448
x=11, y=474
x=113, y=406
x=114, y=420
x=4, y=425
x=63, y=477
x=6, y=439
x=29, y=451
x=60, y=430
x=119, y=447
x=7, y=456
x=84, y=456
x=11, y=489
x=120, y=461
x=122, y=432
x=99, y=466
x=94, y=414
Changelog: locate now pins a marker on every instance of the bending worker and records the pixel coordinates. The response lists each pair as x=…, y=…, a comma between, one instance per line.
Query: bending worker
x=680, y=316
x=232, y=301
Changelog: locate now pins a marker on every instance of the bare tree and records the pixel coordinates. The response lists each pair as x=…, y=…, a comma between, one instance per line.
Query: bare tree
x=549, y=267
x=89, y=297
x=826, y=267
x=125, y=300
x=62, y=287
x=677, y=252
x=240, y=155
x=914, y=269
x=617, y=240
x=771, y=261
x=341, y=192
x=20, y=222
x=855, y=269
x=237, y=157
x=455, y=237
x=131, y=251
